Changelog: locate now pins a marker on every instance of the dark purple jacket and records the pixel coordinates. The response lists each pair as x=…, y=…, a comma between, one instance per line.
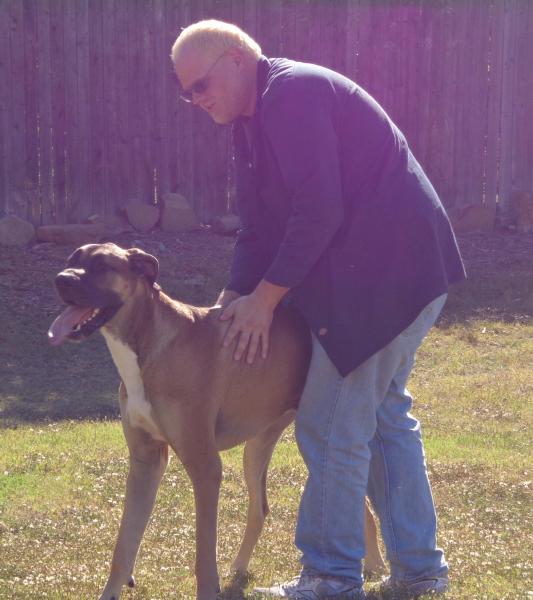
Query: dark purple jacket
x=334, y=206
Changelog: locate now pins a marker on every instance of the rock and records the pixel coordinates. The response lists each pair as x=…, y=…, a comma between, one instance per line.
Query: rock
x=115, y=224
x=142, y=216
x=521, y=211
x=227, y=224
x=175, y=200
x=76, y=234
x=43, y=247
x=15, y=231
x=177, y=214
x=476, y=218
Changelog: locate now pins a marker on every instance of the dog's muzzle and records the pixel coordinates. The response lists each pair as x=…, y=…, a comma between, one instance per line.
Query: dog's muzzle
x=86, y=311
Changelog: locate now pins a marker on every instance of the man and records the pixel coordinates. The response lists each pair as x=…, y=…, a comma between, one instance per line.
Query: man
x=339, y=218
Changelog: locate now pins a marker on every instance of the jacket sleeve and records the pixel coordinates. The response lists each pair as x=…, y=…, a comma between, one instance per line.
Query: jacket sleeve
x=299, y=128
x=249, y=256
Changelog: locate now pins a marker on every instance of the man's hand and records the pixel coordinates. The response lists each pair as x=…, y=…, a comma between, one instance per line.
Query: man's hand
x=252, y=316
x=251, y=323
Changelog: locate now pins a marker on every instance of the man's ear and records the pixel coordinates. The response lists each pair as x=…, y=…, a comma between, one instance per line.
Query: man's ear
x=236, y=54
x=143, y=263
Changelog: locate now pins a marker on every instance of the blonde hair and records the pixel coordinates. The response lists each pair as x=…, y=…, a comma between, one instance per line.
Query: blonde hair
x=215, y=36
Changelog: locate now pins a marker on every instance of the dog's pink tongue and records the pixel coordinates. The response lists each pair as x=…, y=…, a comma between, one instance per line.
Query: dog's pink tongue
x=65, y=323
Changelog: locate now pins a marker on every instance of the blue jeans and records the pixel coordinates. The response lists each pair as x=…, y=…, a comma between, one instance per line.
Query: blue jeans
x=356, y=435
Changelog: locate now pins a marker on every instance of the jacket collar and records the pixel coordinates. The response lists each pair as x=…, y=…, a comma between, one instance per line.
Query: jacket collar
x=263, y=69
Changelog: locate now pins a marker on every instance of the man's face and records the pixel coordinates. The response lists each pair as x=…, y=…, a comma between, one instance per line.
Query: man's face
x=217, y=83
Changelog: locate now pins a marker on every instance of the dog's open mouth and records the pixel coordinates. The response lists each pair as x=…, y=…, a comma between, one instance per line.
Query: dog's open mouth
x=76, y=322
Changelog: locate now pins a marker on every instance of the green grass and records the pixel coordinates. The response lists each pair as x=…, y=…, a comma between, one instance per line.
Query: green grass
x=62, y=479
x=61, y=487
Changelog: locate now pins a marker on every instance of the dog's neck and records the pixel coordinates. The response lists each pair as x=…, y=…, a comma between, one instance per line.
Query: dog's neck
x=142, y=324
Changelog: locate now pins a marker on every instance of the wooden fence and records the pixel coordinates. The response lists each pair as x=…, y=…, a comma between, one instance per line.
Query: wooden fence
x=90, y=115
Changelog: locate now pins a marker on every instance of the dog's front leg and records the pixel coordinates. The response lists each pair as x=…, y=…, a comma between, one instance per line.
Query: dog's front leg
x=204, y=468
x=147, y=466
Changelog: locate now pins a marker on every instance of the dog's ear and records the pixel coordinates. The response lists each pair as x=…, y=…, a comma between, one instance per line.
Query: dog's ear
x=144, y=263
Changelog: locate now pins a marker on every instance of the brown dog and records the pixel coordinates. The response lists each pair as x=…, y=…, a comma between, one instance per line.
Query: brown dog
x=181, y=388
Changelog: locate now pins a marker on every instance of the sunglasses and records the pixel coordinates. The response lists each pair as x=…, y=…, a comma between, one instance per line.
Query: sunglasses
x=200, y=85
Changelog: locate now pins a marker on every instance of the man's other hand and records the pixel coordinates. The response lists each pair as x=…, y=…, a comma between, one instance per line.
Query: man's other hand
x=252, y=316
x=251, y=326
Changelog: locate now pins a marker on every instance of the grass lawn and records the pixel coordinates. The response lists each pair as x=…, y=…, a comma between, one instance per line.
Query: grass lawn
x=63, y=460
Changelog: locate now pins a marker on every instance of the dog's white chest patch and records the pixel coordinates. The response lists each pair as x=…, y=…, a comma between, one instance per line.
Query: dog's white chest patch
x=139, y=410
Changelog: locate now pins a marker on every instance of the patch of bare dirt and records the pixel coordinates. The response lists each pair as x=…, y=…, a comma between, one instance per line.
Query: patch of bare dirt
x=198, y=263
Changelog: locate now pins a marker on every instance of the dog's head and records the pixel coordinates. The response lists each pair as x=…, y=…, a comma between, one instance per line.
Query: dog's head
x=97, y=281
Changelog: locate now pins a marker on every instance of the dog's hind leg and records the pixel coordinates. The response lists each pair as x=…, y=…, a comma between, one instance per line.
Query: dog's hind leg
x=374, y=563
x=257, y=455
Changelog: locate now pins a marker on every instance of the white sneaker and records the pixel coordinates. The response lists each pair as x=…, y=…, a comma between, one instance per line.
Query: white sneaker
x=413, y=589
x=314, y=587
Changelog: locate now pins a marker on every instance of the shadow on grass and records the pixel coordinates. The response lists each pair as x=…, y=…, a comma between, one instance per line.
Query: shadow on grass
x=506, y=297
x=41, y=383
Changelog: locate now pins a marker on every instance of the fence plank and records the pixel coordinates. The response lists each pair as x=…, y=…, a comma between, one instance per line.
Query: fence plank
x=250, y=23
x=493, y=106
x=353, y=16
x=171, y=110
x=31, y=146
x=134, y=92
x=71, y=104
x=479, y=61
x=95, y=114
x=5, y=108
x=16, y=125
x=161, y=74
x=336, y=34
x=438, y=158
x=187, y=117
x=110, y=102
x=118, y=104
x=522, y=148
x=45, y=113
x=80, y=172
x=58, y=108
x=147, y=83
x=97, y=77
x=419, y=101
x=204, y=145
x=525, y=159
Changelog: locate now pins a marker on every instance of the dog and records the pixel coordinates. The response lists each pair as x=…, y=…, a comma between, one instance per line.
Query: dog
x=181, y=388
